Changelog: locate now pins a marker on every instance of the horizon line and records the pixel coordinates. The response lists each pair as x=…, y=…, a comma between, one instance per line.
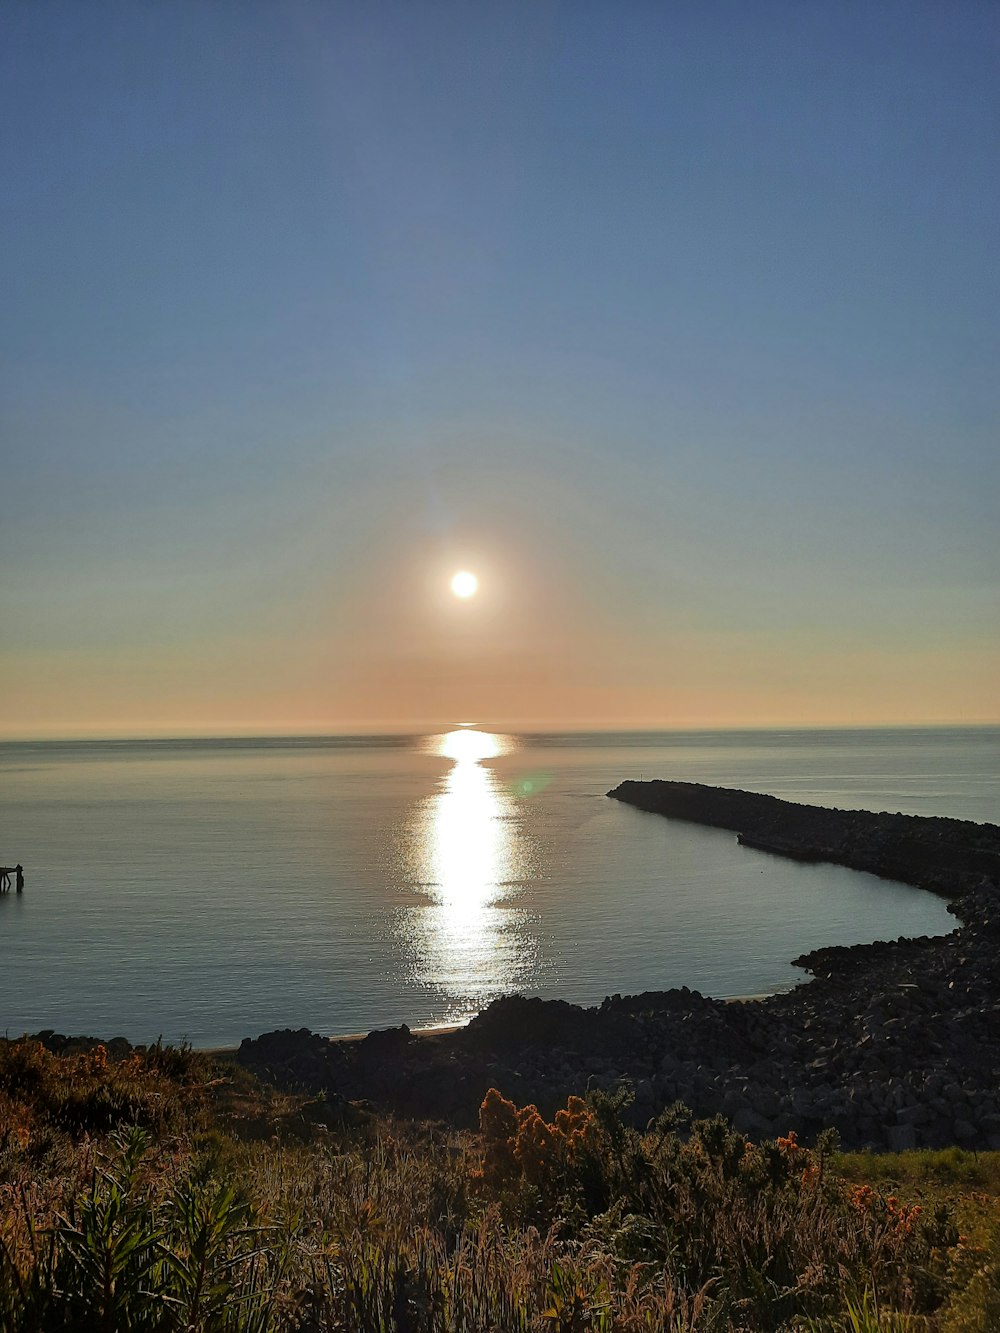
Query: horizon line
x=525, y=729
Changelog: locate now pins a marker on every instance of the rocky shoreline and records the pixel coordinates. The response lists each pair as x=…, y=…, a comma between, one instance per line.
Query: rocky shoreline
x=895, y=1044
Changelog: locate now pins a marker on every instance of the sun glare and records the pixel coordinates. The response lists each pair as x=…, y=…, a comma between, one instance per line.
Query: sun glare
x=464, y=584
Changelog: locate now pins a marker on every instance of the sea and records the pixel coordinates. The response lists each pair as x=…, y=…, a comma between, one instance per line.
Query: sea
x=209, y=890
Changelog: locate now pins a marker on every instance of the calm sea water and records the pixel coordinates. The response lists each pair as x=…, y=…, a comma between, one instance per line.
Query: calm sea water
x=211, y=890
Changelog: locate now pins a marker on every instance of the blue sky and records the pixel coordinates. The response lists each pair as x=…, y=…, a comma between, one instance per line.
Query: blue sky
x=676, y=322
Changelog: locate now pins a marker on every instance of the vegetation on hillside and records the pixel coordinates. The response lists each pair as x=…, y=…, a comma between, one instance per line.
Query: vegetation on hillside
x=168, y=1191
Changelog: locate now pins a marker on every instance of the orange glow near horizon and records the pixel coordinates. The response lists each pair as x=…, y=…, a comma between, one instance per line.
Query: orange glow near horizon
x=557, y=644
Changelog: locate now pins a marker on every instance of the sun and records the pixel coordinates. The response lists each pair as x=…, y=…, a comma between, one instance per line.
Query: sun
x=464, y=584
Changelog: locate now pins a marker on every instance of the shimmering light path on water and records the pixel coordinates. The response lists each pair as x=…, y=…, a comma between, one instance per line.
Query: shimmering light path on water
x=468, y=853
x=212, y=890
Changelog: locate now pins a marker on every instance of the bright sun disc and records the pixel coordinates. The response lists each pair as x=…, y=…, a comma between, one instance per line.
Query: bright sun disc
x=464, y=584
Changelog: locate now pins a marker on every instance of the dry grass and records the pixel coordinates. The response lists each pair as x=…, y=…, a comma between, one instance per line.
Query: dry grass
x=169, y=1191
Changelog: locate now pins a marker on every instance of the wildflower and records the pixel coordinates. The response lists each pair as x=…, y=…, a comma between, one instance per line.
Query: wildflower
x=95, y=1061
x=861, y=1197
x=904, y=1217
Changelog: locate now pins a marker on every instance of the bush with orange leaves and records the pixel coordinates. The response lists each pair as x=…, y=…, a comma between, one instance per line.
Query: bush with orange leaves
x=42, y=1093
x=519, y=1144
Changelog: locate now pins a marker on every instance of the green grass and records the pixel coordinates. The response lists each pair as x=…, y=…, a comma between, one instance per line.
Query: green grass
x=926, y=1169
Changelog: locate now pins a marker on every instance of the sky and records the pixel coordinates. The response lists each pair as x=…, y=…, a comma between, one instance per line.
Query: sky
x=674, y=322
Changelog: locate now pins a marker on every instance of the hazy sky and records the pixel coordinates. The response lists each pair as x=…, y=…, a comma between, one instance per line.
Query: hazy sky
x=676, y=322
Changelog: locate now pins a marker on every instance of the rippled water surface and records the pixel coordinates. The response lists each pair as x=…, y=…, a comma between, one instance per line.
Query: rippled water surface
x=211, y=890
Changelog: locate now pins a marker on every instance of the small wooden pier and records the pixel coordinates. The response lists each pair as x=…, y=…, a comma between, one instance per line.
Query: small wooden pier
x=5, y=878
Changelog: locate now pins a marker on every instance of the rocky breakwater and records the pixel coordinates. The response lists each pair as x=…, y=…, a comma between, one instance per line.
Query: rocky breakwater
x=895, y=1044
x=946, y=856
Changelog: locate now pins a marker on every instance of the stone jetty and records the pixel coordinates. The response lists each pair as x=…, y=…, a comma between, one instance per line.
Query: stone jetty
x=946, y=856
x=896, y=1044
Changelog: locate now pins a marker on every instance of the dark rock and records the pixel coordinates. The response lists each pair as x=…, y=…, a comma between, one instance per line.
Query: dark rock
x=514, y=1022
x=384, y=1044
x=900, y=1138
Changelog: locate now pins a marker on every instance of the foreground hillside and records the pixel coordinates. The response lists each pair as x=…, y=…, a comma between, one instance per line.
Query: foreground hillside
x=167, y=1190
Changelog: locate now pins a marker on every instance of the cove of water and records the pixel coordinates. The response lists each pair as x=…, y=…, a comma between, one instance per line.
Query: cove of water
x=211, y=890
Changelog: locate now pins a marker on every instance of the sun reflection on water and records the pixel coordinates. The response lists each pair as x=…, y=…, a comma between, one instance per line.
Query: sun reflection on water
x=470, y=858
